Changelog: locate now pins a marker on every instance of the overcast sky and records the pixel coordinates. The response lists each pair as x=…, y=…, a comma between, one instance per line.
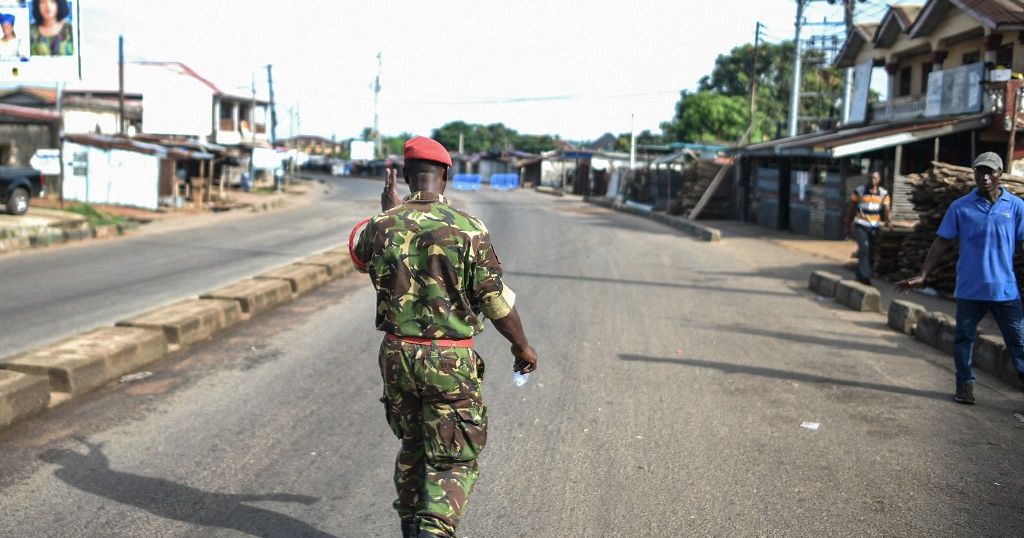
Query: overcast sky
x=573, y=68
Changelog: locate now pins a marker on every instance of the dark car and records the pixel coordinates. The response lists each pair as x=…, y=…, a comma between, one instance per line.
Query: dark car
x=17, y=186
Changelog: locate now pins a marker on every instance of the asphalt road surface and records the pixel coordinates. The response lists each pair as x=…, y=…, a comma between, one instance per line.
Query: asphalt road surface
x=674, y=377
x=49, y=294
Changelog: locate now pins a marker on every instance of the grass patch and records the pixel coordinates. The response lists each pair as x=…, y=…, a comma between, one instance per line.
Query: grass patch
x=95, y=216
x=270, y=190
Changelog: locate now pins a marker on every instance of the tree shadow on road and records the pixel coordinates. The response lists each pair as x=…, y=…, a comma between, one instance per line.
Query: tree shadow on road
x=831, y=343
x=774, y=373
x=628, y=282
x=91, y=473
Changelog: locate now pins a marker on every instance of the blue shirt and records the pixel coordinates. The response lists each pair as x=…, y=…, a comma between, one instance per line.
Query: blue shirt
x=988, y=234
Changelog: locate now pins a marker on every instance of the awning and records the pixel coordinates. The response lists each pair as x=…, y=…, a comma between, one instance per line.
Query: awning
x=864, y=139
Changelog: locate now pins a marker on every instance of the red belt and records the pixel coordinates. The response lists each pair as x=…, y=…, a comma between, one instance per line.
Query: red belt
x=468, y=342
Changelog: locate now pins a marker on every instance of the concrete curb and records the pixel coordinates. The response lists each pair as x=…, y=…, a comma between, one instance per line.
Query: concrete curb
x=824, y=283
x=189, y=321
x=254, y=296
x=21, y=396
x=936, y=329
x=702, y=232
x=302, y=278
x=858, y=296
x=59, y=371
x=87, y=361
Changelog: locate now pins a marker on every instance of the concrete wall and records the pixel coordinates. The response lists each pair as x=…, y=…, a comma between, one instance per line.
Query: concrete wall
x=115, y=177
x=22, y=140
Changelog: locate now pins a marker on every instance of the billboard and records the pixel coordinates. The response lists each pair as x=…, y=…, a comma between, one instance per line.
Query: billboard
x=955, y=91
x=40, y=41
x=861, y=87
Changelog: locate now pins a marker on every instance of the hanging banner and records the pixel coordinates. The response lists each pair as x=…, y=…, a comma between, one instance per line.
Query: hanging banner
x=861, y=87
x=40, y=41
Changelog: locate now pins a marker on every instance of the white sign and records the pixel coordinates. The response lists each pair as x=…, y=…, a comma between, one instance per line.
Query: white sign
x=46, y=161
x=39, y=41
x=360, y=150
x=933, y=101
x=861, y=86
x=803, y=177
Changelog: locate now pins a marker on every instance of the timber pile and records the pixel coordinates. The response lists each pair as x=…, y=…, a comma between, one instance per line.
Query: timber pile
x=696, y=179
x=933, y=192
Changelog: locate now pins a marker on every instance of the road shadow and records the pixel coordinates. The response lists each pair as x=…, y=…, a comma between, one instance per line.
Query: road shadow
x=831, y=343
x=91, y=473
x=628, y=282
x=774, y=373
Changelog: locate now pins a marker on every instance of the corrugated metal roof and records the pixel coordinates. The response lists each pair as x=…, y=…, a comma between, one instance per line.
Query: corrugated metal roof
x=995, y=13
x=29, y=113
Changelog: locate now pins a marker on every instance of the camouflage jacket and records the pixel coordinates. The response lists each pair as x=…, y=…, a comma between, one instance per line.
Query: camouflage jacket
x=434, y=269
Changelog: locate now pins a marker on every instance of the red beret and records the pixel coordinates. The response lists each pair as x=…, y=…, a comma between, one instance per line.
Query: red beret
x=427, y=149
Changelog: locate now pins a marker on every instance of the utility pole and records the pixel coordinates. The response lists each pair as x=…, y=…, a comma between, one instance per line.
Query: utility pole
x=120, y=84
x=273, y=107
x=794, y=97
x=753, y=86
x=376, y=109
x=848, y=87
x=632, y=141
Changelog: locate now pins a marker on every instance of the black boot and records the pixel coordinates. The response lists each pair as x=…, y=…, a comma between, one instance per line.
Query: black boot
x=964, y=394
x=409, y=529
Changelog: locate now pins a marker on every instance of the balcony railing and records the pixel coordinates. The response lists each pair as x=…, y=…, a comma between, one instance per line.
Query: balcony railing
x=898, y=109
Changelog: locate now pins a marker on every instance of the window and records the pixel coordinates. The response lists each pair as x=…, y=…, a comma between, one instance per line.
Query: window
x=926, y=69
x=970, y=58
x=904, y=82
x=1004, y=56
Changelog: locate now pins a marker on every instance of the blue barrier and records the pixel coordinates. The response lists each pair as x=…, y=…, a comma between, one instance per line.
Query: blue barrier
x=466, y=182
x=504, y=182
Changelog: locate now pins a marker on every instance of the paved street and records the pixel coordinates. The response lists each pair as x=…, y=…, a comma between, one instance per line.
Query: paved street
x=674, y=377
x=55, y=293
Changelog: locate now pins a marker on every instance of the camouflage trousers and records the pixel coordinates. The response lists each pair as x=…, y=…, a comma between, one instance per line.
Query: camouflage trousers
x=433, y=404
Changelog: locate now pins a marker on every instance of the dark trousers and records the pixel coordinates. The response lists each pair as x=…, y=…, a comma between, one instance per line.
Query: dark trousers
x=1009, y=316
x=867, y=242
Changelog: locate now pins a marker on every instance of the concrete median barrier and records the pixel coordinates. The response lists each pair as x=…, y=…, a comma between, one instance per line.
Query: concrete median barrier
x=254, y=296
x=190, y=320
x=21, y=396
x=824, y=283
x=84, y=362
x=903, y=316
x=337, y=264
x=857, y=296
x=303, y=278
x=936, y=329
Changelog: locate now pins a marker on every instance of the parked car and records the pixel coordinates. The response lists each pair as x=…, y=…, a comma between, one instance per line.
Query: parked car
x=18, y=185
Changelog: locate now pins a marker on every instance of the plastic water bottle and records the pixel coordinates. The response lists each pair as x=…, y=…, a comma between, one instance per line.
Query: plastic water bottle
x=520, y=379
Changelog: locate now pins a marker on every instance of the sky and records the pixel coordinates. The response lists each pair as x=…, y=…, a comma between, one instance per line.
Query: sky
x=572, y=68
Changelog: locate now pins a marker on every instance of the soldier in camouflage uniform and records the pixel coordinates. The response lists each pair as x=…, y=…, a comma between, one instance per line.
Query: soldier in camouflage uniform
x=437, y=277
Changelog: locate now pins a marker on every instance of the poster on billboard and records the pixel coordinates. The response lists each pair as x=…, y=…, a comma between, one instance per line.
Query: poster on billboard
x=40, y=41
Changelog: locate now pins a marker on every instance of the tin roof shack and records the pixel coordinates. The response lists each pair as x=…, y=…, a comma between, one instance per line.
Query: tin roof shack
x=948, y=100
x=120, y=171
x=23, y=131
x=85, y=110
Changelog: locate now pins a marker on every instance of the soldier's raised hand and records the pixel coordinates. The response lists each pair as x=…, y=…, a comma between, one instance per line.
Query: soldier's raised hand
x=390, y=198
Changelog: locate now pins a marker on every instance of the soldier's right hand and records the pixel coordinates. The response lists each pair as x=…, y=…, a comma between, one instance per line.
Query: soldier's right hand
x=526, y=359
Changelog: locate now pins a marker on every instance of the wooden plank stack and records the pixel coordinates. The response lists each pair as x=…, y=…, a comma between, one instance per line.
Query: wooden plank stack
x=696, y=179
x=933, y=192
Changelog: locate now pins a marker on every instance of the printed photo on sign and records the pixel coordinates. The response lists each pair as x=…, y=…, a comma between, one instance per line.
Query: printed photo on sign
x=14, y=21
x=52, y=29
x=39, y=41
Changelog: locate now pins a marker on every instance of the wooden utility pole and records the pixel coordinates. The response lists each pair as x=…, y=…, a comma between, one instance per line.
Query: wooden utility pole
x=273, y=107
x=753, y=87
x=120, y=84
x=1013, y=130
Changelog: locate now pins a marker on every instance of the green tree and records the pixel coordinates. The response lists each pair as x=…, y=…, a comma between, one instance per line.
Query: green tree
x=727, y=90
x=496, y=137
x=643, y=138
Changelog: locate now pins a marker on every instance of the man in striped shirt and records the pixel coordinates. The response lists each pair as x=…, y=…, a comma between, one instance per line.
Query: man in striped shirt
x=869, y=207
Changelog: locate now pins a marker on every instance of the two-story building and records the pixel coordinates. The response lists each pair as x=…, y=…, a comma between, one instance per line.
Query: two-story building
x=952, y=81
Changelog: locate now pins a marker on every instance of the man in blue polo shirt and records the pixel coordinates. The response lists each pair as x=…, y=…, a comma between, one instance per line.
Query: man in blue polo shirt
x=989, y=223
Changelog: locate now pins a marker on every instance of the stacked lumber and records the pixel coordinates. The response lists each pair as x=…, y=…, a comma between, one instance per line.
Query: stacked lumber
x=696, y=179
x=933, y=192
x=887, y=257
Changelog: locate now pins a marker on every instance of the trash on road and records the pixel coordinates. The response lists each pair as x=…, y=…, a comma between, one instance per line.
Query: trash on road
x=520, y=379
x=139, y=376
x=1019, y=416
x=822, y=299
x=810, y=425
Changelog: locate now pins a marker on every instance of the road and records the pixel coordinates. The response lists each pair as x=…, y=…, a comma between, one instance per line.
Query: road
x=673, y=381
x=50, y=294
